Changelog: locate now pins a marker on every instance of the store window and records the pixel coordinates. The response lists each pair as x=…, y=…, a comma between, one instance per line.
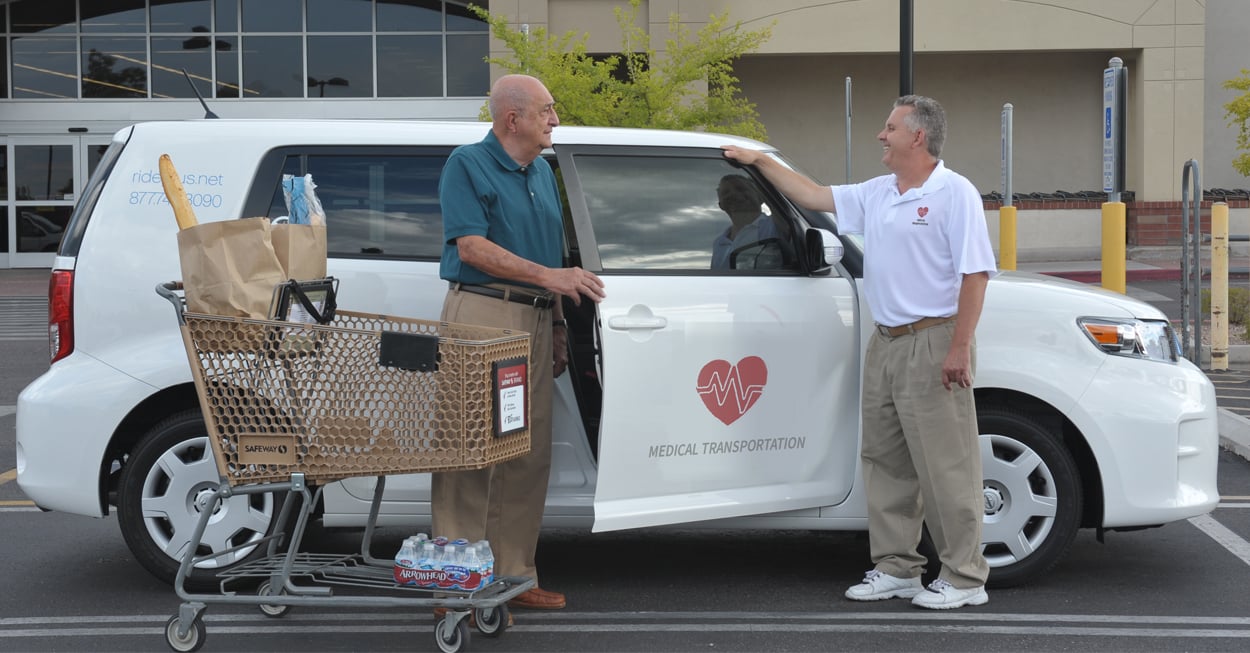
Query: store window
x=114, y=67
x=137, y=49
x=183, y=15
x=340, y=16
x=114, y=16
x=273, y=16
x=44, y=16
x=410, y=15
x=43, y=172
x=45, y=67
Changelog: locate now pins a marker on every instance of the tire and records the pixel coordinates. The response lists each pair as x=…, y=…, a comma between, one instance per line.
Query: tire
x=269, y=609
x=491, y=622
x=171, y=467
x=1033, y=497
x=452, y=639
x=193, y=640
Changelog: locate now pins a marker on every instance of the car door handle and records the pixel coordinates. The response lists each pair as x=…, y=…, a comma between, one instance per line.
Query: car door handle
x=630, y=323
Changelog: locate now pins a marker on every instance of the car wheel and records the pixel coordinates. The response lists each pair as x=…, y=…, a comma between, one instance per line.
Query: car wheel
x=1033, y=498
x=167, y=479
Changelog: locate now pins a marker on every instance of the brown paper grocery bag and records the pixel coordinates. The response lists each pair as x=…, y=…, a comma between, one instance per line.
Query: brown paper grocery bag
x=229, y=267
x=301, y=250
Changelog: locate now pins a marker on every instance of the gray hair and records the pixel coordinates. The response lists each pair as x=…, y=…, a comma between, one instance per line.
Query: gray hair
x=928, y=115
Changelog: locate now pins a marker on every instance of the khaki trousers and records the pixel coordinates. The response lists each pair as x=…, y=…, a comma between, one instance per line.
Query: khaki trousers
x=921, y=459
x=502, y=503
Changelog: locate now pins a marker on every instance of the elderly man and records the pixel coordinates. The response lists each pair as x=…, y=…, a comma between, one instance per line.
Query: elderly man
x=503, y=257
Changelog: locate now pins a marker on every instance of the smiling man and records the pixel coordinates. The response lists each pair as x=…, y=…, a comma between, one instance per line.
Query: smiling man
x=927, y=260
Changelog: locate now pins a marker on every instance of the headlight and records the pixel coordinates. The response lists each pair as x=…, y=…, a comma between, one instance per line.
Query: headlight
x=1152, y=339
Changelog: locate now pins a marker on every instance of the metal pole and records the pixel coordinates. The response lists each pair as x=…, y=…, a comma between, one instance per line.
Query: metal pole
x=904, y=47
x=848, y=129
x=1191, y=267
x=1007, y=213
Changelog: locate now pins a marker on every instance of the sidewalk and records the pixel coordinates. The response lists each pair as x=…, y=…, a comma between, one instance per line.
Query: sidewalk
x=24, y=282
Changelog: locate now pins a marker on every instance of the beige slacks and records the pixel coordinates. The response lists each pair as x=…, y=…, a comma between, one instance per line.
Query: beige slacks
x=921, y=459
x=503, y=503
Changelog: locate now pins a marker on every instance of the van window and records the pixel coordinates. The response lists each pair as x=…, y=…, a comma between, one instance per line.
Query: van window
x=382, y=205
x=660, y=213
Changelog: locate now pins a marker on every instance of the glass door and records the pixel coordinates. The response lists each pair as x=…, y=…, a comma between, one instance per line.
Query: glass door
x=42, y=179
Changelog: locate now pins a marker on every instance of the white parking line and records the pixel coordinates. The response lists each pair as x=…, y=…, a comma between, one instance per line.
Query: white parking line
x=1226, y=538
x=1031, y=625
x=8, y=410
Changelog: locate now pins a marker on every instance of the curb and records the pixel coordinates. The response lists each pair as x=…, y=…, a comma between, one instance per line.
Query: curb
x=1234, y=433
x=1095, y=276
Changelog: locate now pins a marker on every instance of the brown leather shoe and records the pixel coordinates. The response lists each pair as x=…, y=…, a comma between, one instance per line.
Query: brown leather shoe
x=536, y=598
x=439, y=613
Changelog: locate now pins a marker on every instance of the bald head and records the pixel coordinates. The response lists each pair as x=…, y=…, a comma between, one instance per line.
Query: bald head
x=522, y=114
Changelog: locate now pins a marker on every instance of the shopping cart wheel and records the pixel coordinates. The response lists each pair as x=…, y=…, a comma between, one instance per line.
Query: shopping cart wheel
x=192, y=641
x=452, y=639
x=491, y=622
x=274, y=611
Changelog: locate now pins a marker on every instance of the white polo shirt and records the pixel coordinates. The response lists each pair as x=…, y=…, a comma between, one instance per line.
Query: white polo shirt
x=917, y=245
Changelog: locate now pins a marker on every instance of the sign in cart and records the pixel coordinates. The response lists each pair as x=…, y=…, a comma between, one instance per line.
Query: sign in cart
x=511, y=396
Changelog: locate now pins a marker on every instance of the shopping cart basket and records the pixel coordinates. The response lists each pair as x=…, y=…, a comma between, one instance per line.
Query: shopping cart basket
x=290, y=406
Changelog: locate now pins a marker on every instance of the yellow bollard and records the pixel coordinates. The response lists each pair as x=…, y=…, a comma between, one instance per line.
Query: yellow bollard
x=1219, y=286
x=1113, y=246
x=1007, y=238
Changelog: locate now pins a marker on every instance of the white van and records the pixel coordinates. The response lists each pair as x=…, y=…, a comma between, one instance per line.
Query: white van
x=719, y=397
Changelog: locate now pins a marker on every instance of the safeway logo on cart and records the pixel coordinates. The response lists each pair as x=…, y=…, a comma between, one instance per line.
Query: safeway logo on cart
x=266, y=449
x=728, y=390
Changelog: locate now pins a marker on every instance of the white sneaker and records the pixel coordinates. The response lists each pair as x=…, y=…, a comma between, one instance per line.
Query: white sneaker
x=877, y=586
x=941, y=595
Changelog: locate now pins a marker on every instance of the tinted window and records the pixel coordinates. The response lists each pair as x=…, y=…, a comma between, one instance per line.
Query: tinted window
x=114, y=67
x=665, y=213
x=182, y=15
x=375, y=205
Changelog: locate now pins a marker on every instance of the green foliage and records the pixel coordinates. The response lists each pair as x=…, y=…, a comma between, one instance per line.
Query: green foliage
x=1238, y=307
x=690, y=87
x=1238, y=113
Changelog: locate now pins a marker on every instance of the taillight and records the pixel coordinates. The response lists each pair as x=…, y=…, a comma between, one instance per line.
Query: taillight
x=61, y=314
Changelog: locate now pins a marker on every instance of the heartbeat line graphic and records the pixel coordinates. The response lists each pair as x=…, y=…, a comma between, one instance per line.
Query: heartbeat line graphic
x=729, y=391
x=722, y=390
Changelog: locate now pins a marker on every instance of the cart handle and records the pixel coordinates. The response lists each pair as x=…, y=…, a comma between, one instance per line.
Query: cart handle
x=167, y=290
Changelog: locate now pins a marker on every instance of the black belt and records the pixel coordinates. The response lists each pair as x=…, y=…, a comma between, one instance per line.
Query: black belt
x=537, y=301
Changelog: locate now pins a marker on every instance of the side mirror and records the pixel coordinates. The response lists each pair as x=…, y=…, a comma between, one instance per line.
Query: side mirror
x=823, y=250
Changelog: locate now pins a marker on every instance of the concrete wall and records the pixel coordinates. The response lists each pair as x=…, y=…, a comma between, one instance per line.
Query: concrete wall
x=966, y=54
x=1055, y=97
x=1227, y=54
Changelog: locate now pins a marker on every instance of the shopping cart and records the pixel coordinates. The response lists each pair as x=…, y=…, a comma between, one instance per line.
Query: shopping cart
x=291, y=406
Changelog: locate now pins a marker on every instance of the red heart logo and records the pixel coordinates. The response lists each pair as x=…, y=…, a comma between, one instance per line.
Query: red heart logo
x=922, y=211
x=729, y=391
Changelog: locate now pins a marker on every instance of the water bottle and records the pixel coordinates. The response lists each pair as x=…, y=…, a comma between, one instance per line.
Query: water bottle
x=487, y=560
x=428, y=558
x=472, y=569
x=407, y=556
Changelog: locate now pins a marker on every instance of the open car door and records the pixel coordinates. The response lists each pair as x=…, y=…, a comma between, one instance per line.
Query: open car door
x=730, y=380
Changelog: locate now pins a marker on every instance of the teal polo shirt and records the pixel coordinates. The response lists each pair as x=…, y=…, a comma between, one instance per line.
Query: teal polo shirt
x=483, y=192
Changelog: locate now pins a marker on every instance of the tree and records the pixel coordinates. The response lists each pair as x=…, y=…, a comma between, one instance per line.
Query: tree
x=691, y=87
x=1238, y=113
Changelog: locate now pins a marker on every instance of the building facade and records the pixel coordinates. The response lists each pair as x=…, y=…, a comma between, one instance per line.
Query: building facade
x=75, y=71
